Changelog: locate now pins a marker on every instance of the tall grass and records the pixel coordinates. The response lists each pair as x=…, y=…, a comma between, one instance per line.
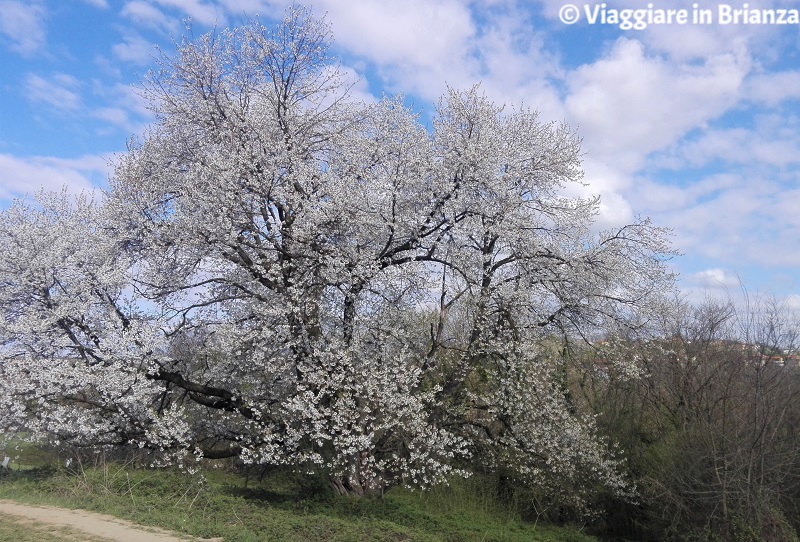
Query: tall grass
x=279, y=505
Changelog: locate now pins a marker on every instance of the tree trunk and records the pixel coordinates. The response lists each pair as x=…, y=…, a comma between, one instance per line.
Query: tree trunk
x=358, y=482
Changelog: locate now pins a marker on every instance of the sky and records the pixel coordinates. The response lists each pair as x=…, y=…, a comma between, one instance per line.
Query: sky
x=693, y=121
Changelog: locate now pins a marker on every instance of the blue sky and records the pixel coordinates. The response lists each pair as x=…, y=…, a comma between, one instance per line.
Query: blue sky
x=696, y=126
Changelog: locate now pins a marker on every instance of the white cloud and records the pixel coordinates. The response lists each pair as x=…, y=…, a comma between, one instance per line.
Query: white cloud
x=26, y=175
x=23, y=24
x=59, y=92
x=665, y=198
x=420, y=48
x=690, y=42
x=128, y=96
x=773, y=141
x=605, y=181
x=108, y=67
x=126, y=109
x=416, y=47
x=613, y=211
x=411, y=32
x=739, y=220
x=113, y=115
x=715, y=278
x=773, y=88
x=510, y=59
x=202, y=12
x=253, y=8
x=550, y=8
x=629, y=104
x=134, y=49
x=687, y=43
x=146, y=14
x=356, y=86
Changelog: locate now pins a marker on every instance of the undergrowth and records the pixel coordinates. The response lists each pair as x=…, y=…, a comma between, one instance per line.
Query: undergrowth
x=275, y=505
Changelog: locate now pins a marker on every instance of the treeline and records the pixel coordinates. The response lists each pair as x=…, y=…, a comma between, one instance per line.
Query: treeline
x=710, y=427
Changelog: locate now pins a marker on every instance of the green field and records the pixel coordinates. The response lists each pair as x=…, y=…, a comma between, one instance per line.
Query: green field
x=277, y=505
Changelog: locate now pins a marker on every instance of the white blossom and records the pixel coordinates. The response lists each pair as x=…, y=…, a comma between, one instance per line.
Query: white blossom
x=281, y=274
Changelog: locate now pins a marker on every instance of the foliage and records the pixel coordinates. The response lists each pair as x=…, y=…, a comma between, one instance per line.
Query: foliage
x=286, y=276
x=277, y=507
x=711, y=429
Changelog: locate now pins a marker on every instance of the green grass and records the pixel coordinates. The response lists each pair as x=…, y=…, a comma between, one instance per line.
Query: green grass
x=281, y=507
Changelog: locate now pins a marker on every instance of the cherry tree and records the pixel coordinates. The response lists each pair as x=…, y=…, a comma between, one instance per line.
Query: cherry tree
x=285, y=275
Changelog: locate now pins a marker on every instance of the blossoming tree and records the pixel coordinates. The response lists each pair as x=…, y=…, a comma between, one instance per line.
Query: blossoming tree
x=281, y=274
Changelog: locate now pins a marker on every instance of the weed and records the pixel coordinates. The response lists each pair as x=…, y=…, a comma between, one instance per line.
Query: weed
x=278, y=506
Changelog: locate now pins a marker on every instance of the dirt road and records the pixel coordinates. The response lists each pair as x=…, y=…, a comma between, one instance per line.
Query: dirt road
x=91, y=523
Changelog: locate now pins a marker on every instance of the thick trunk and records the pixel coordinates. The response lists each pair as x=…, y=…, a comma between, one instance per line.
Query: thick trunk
x=358, y=481
x=350, y=487
x=346, y=486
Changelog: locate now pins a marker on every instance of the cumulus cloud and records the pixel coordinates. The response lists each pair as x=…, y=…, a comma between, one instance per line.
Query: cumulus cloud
x=773, y=88
x=716, y=278
x=134, y=49
x=166, y=15
x=147, y=15
x=764, y=140
x=630, y=104
x=115, y=116
x=418, y=48
x=413, y=32
x=737, y=220
x=23, y=24
x=692, y=126
x=26, y=175
x=666, y=198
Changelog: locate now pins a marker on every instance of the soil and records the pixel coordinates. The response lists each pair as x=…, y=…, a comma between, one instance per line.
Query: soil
x=92, y=523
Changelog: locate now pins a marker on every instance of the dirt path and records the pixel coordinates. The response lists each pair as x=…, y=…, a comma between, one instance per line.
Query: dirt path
x=91, y=523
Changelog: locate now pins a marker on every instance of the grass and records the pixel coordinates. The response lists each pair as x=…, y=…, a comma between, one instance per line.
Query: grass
x=24, y=530
x=281, y=506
